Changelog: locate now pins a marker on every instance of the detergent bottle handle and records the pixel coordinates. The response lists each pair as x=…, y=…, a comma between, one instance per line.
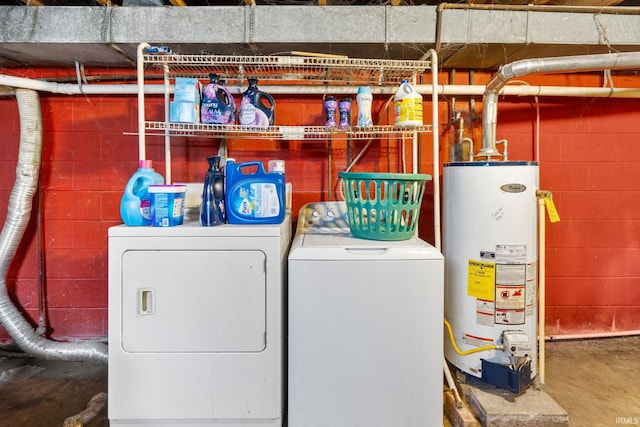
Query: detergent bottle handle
x=272, y=103
x=128, y=188
x=223, y=95
x=246, y=165
x=406, y=88
x=133, y=183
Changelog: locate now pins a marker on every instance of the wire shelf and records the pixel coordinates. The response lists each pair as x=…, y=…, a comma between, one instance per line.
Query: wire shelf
x=282, y=132
x=294, y=69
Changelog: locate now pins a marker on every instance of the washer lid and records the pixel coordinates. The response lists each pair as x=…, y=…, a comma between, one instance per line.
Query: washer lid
x=345, y=247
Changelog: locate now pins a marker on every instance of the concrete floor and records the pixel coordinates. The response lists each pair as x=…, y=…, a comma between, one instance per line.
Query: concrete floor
x=596, y=381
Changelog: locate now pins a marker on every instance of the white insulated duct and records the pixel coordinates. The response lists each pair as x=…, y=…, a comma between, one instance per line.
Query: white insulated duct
x=18, y=214
x=580, y=63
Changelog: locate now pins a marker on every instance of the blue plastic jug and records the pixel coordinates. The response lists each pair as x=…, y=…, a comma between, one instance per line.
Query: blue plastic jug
x=253, y=111
x=252, y=195
x=135, y=205
x=218, y=106
x=212, y=208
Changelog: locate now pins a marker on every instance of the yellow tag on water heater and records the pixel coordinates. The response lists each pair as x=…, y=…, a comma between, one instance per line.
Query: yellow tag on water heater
x=551, y=209
x=481, y=279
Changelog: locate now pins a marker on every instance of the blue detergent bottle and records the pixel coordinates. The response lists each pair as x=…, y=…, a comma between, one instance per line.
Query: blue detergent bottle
x=212, y=210
x=254, y=111
x=253, y=196
x=218, y=106
x=135, y=205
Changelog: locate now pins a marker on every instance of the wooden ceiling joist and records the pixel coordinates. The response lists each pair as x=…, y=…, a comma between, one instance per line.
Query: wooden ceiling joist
x=596, y=3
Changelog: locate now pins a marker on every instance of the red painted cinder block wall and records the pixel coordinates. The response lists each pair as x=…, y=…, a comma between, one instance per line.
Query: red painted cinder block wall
x=588, y=159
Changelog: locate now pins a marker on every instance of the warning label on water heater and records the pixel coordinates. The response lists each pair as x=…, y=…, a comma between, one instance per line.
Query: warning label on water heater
x=509, y=317
x=503, y=284
x=510, y=305
x=510, y=297
x=481, y=279
x=511, y=274
x=511, y=283
x=485, y=312
x=511, y=254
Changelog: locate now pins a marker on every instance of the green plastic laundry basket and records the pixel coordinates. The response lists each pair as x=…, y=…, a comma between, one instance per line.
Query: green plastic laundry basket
x=383, y=206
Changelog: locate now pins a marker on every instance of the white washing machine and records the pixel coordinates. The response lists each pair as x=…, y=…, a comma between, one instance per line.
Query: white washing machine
x=196, y=320
x=365, y=323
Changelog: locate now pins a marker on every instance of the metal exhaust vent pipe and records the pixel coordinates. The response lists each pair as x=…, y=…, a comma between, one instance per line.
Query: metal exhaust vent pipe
x=581, y=63
x=18, y=213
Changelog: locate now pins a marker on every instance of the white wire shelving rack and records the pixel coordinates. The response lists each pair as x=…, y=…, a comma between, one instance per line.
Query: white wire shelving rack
x=318, y=133
x=304, y=74
x=272, y=69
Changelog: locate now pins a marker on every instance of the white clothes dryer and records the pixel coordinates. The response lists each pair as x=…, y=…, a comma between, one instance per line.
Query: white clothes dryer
x=196, y=321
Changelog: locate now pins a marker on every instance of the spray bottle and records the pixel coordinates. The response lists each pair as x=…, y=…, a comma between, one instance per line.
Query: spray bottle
x=212, y=207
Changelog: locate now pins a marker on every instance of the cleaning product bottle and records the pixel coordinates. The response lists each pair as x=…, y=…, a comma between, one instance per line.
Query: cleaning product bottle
x=253, y=111
x=212, y=207
x=135, y=205
x=344, y=108
x=364, y=98
x=218, y=106
x=330, y=106
x=253, y=196
x=407, y=106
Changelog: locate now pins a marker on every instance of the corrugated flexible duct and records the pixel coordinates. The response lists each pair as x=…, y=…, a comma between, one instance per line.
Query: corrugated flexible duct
x=580, y=63
x=18, y=214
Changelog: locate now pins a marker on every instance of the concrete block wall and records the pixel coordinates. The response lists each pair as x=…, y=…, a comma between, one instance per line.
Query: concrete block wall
x=588, y=157
x=590, y=161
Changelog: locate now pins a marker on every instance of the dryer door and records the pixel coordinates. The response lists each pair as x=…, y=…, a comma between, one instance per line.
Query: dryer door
x=193, y=301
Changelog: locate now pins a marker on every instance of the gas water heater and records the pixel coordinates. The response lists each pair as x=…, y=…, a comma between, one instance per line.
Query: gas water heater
x=490, y=249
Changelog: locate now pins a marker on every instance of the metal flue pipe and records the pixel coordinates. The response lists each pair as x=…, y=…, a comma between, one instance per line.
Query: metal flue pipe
x=581, y=63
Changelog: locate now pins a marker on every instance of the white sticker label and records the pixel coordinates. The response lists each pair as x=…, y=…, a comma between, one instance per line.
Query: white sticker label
x=476, y=341
x=532, y=273
x=511, y=274
x=484, y=312
x=509, y=317
x=511, y=254
x=510, y=297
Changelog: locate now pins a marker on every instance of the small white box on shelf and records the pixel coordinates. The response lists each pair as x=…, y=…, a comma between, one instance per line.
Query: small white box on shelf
x=187, y=90
x=184, y=112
